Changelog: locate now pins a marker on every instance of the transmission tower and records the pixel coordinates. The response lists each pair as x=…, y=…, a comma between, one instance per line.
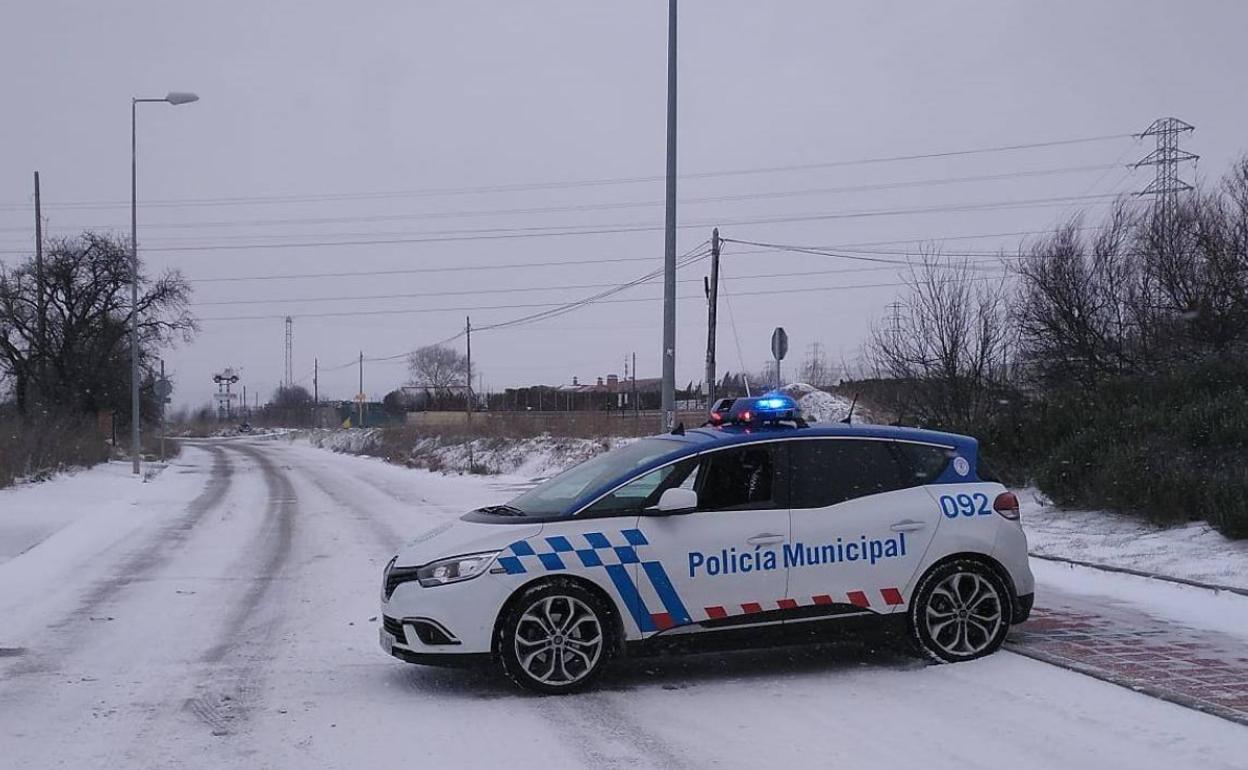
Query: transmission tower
x=290, y=379
x=895, y=327
x=1166, y=185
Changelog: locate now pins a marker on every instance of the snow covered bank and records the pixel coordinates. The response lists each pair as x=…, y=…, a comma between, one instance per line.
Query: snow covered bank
x=536, y=456
x=1193, y=551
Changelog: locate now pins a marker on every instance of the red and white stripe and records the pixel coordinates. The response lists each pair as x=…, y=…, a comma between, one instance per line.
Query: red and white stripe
x=888, y=597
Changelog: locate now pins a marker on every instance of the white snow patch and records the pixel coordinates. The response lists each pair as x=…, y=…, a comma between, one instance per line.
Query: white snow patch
x=820, y=406
x=1194, y=551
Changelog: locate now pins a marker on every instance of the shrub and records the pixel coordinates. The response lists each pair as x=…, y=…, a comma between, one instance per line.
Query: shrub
x=36, y=451
x=1170, y=447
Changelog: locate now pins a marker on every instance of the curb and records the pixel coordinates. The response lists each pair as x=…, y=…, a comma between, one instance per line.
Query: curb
x=1141, y=573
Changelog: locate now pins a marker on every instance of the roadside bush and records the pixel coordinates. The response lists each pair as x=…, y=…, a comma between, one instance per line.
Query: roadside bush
x=36, y=451
x=1170, y=447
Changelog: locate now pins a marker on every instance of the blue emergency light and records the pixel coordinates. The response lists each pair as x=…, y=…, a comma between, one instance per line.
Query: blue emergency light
x=773, y=407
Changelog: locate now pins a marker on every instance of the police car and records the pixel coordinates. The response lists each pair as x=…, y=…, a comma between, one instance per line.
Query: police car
x=755, y=527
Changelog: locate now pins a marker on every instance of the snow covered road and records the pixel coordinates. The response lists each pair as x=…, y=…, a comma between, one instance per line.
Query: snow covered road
x=224, y=615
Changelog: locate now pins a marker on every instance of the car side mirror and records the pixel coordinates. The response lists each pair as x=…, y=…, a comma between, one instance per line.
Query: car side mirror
x=673, y=501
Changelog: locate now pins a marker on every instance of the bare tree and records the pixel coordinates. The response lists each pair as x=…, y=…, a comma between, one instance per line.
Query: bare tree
x=291, y=397
x=949, y=349
x=81, y=363
x=1080, y=303
x=438, y=368
x=816, y=369
x=1142, y=294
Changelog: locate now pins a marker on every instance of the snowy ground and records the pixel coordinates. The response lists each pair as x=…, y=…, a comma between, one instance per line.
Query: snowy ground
x=1194, y=551
x=223, y=615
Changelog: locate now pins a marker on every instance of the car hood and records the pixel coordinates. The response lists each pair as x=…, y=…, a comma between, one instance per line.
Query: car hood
x=456, y=538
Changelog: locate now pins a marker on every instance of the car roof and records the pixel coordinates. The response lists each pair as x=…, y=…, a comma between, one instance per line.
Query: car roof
x=708, y=437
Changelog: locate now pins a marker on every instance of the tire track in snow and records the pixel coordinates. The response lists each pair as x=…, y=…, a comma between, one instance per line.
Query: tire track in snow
x=386, y=536
x=157, y=551
x=234, y=662
x=604, y=735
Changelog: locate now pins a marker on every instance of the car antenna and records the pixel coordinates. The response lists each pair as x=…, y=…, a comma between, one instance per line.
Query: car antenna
x=679, y=430
x=849, y=417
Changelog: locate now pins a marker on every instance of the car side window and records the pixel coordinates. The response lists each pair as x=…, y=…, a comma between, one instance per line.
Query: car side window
x=828, y=472
x=925, y=462
x=643, y=491
x=738, y=479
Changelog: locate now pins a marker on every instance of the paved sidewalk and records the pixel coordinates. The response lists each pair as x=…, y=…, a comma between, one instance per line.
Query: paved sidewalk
x=1119, y=643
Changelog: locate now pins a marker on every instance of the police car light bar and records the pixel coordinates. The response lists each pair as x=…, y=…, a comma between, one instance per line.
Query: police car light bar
x=753, y=411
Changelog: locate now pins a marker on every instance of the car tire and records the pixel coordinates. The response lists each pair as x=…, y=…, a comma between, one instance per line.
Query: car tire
x=961, y=611
x=555, y=638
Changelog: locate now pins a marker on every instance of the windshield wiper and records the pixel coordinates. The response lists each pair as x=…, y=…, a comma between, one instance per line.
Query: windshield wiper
x=502, y=510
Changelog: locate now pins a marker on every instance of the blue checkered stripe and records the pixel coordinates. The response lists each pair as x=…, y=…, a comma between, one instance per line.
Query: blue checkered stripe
x=597, y=551
x=594, y=550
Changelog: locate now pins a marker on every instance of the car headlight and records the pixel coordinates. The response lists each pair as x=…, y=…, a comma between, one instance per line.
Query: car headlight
x=454, y=569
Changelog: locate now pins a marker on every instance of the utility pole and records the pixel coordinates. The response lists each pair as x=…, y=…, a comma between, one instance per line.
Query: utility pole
x=1166, y=185
x=162, y=397
x=359, y=397
x=636, y=406
x=468, y=379
x=316, y=393
x=290, y=379
x=40, y=301
x=712, y=301
x=669, y=250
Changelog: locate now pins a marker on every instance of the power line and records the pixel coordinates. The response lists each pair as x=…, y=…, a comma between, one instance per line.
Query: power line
x=549, y=185
x=419, y=270
x=693, y=255
x=462, y=308
x=609, y=260
x=549, y=232
x=608, y=206
x=523, y=289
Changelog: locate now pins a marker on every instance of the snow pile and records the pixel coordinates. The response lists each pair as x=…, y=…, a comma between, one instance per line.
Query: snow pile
x=820, y=406
x=354, y=442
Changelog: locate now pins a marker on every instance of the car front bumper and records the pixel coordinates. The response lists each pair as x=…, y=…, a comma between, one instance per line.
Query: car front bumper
x=453, y=620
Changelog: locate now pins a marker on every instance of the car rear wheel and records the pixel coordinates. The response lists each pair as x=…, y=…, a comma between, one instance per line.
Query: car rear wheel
x=555, y=638
x=961, y=611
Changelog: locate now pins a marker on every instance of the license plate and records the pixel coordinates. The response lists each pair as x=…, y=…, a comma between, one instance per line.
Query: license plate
x=387, y=641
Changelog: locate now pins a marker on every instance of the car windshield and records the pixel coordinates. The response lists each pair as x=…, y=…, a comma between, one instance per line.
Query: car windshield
x=555, y=496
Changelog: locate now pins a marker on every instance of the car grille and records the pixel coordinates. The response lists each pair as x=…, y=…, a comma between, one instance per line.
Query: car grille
x=398, y=575
x=394, y=628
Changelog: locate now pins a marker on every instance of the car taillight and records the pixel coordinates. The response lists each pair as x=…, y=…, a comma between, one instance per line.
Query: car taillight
x=1006, y=504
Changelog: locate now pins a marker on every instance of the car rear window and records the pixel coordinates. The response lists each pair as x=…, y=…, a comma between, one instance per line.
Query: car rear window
x=924, y=462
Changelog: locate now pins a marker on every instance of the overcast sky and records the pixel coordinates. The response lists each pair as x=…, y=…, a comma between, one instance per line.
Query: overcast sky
x=322, y=125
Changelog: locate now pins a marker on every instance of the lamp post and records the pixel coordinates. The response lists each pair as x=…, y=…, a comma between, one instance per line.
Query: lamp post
x=174, y=98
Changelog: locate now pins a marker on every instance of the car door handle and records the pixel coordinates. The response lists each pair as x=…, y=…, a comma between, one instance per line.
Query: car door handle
x=908, y=525
x=766, y=538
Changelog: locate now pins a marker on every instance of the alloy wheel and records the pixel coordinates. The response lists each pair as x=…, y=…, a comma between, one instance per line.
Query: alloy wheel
x=964, y=614
x=558, y=640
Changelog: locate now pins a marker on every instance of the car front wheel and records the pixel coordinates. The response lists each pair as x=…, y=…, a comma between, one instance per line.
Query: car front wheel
x=961, y=611
x=555, y=638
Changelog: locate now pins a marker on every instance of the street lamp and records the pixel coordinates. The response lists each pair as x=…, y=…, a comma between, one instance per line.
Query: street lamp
x=175, y=98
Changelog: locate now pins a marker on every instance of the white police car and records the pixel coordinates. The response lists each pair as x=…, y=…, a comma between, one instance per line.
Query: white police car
x=754, y=528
